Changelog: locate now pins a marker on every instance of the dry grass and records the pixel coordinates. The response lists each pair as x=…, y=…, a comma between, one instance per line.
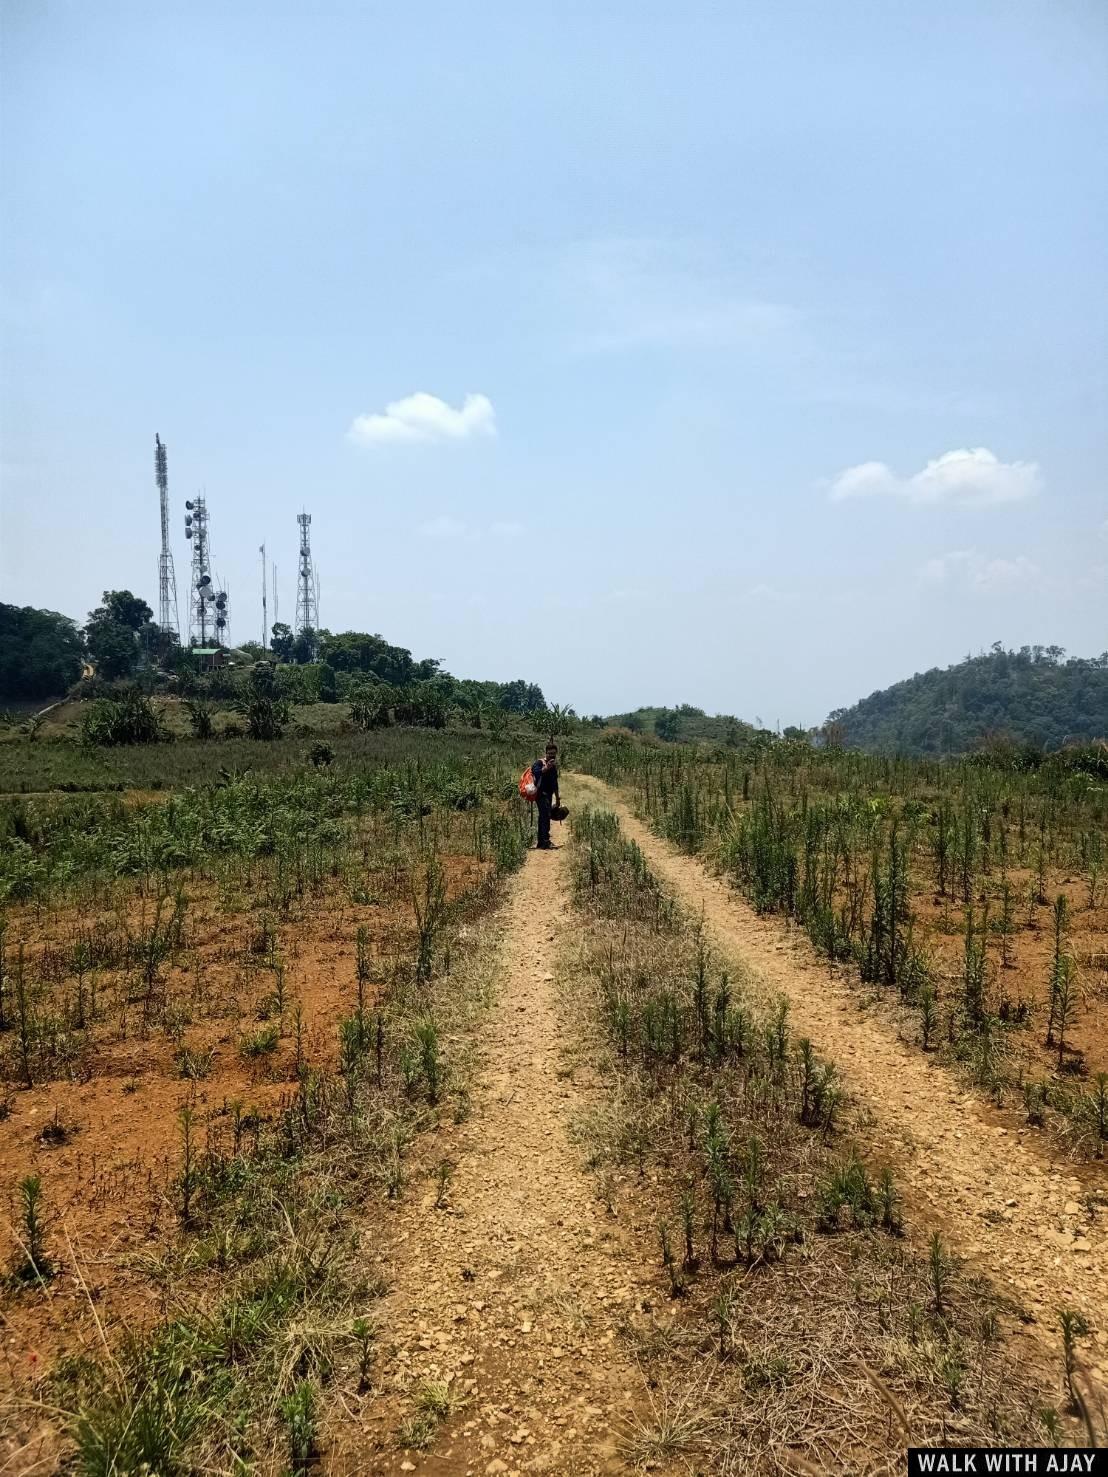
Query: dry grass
x=831, y=1350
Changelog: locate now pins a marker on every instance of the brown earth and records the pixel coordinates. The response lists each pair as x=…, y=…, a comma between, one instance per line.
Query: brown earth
x=513, y=1293
x=109, y=1176
x=1025, y=981
x=508, y=1300
x=1022, y=1217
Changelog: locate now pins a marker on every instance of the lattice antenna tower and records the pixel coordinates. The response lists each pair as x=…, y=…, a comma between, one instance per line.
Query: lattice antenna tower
x=307, y=584
x=208, y=607
x=168, y=615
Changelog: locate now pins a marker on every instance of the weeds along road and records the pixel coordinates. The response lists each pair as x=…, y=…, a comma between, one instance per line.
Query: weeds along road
x=502, y=1320
x=1004, y=1207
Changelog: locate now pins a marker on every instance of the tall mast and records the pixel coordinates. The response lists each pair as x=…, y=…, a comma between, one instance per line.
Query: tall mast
x=168, y=618
x=265, y=625
x=307, y=589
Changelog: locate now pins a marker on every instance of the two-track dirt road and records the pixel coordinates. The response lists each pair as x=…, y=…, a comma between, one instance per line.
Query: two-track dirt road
x=514, y=1292
x=509, y=1298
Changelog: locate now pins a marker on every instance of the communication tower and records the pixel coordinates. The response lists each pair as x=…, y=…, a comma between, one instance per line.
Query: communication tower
x=307, y=582
x=208, y=608
x=168, y=618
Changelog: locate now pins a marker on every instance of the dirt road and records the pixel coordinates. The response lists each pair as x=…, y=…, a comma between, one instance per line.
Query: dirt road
x=1016, y=1216
x=513, y=1292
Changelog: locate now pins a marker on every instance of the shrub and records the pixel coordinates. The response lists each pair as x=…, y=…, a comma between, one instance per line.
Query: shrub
x=35, y=1265
x=128, y=719
x=262, y=1043
x=265, y=711
x=200, y=716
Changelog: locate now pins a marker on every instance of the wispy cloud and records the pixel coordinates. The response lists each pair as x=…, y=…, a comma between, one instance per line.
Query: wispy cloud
x=763, y=594
x=976, y=478
x=978, y=572
x=638, y=292
x=424, y=417
x=449, y=529
x=443, y=527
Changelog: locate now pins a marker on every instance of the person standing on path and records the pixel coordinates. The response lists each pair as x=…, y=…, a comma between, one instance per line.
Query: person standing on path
x=545, y=772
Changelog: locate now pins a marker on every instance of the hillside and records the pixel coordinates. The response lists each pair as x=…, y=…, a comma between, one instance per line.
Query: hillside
x=684, y=724
x=1030, y=696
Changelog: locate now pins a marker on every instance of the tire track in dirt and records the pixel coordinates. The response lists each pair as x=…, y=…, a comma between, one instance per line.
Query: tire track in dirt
x=513, y=1292
x=1011, y=1213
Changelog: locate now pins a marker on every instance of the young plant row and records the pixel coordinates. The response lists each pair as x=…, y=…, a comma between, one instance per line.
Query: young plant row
x=51, y=845
x=880, y=860
x=781, y=1248
x=71, y=982
x=272, y=1307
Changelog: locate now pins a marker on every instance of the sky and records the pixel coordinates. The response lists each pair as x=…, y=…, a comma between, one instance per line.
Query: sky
x=753, y=355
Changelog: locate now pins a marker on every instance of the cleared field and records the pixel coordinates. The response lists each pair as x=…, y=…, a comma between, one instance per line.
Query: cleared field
x=330, y=1137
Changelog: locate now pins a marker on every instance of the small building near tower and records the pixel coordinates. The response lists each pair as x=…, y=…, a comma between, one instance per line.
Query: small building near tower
x=210, y=658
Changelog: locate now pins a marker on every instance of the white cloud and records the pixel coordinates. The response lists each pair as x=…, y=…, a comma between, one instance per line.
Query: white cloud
x=978, y=572
x=975, y=478
x=424, y=417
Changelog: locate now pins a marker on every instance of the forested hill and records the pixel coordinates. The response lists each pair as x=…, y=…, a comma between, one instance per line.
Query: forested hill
x=1030, y=696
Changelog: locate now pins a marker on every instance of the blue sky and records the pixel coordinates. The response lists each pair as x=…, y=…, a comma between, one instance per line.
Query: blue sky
x=783, y=328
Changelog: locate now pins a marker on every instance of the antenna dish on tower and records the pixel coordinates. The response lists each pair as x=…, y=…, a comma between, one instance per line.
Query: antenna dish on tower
x=307, y=584
x=208, y=616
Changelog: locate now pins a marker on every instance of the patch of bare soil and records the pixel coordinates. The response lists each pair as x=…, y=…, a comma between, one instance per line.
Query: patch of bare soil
x=502, y=1325
x=1020, y=985
x=1024, y=1220
x=106, y=1137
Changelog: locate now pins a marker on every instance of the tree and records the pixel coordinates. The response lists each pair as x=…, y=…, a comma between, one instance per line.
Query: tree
x=326, y=686
x=281, y=639
x=112, y=633
x=521, y=697
x=122, y=609
x=667, y=725
x=40, y=653
x=158, y=645
x=112, y=649
x=358, y=651
x=304, y=646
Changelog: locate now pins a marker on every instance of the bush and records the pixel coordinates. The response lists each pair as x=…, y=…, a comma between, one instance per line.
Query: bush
x=265, y=710
x=128, y=719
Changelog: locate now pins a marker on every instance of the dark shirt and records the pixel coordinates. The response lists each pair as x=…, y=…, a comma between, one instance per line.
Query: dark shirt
x=546, y=780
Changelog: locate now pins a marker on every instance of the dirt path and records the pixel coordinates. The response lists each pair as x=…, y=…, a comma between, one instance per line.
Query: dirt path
x=513, y=1292
x=1017, y=1218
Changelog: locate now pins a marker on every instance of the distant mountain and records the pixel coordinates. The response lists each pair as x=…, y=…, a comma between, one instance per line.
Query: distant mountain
x=1030, y=696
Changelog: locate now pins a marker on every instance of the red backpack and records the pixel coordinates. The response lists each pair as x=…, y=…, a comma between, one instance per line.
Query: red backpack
x=528, y=789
